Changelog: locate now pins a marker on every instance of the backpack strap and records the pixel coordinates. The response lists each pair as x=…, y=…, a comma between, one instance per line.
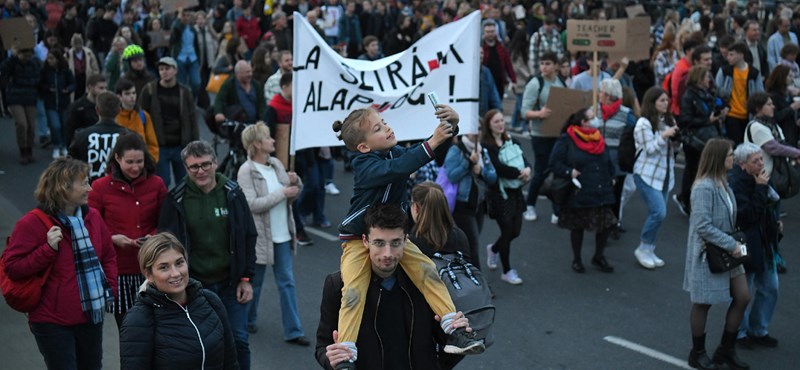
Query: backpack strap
x=144, y=120
x=44, y=217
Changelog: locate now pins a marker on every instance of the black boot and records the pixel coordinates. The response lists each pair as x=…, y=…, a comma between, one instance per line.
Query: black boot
x=726, y=353
x=698, y=358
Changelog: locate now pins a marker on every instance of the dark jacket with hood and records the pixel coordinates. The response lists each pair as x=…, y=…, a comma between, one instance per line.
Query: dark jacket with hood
x=159, y=333
x=756, y=217
x=597, y=172
x=61, y=80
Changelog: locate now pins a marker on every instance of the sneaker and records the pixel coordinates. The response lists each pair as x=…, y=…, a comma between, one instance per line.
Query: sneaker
x=644, y=259
x=491, y=258
x=511, y=277
x=765, y=341
x=657, y=262
x=252, y=328
x=681, y=205
x=554, y=219
x=459, y=342
x=300, y=341
x=56, y=153
x=530, y=214
x=304, y=240
x=63, y=152
x=331, y=189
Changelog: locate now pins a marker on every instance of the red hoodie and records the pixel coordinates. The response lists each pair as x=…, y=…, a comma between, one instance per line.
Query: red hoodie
x=282, y=107
x=678, y=85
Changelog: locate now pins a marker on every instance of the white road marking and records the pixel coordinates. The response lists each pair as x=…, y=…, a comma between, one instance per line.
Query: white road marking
x=322, y=234
x=648, y=352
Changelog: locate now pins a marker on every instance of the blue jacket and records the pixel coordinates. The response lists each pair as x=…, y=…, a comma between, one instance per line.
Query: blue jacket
x=459, y=171
x=489, y=96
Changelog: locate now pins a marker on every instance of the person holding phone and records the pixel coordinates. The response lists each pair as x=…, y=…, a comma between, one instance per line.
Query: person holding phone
x=128, y=198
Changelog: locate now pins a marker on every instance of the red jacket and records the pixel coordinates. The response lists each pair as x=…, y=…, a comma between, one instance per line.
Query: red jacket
x=28, y=253
x=248, y=30
x=678, y=85
x=505, y=61
x=130, y=210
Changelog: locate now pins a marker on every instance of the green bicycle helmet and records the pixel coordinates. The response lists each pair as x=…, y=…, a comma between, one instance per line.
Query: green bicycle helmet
x=132, y=51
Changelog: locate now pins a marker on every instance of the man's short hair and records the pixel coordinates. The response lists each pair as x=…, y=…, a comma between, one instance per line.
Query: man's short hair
x=738, y=47
x=726, y=41
x=368, y=40
x=93, y=80
x=549, y=55
x=198, y=148
x=690, y=44
x=750, y=23
x=789, y=49
x=740, y=20
x=123, y=85
x=108, y=105
x=550, y=19
x=698, y=51
x=488, y=22
x=385, y=216
x=744, y=150
x=278, y=15
x=286, y=79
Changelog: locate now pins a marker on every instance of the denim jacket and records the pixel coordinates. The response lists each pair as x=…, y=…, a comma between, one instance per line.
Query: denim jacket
x=459, y=170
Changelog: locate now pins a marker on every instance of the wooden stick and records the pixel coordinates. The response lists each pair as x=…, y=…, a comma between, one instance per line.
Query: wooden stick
x=595, y=68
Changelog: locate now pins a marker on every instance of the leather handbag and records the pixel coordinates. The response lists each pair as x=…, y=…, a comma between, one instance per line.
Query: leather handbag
x=556, y=188
x=719, y=259
x=215, y=82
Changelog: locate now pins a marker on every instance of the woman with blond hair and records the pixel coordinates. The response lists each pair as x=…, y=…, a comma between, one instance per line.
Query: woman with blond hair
x=270, y=191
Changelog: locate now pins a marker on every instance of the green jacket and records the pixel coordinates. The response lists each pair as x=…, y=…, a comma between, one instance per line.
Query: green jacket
x=228, y=98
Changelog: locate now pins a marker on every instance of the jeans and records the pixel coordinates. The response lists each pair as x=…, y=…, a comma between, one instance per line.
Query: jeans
x=312, y=198
x=189, y=75
x=284, y=279
x=56, y=121
x=326, y=166
x=41, y=119
x=764, y=292
x=237, y=315
x=656, y=202
x=516, y=118
x=542, y=146
x=170, y=155
x=70, y=347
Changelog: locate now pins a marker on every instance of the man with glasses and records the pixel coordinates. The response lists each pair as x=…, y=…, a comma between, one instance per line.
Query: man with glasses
x=209, y=214
x=398, y=328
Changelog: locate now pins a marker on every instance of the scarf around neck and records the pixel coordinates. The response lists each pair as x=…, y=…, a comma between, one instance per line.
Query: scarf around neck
x=587, y=139
x=610, y=109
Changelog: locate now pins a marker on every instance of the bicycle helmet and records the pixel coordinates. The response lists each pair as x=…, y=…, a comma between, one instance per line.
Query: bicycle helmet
x=132, y=51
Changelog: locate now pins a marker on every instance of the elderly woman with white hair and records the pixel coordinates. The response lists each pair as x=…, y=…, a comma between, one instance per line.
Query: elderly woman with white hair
x=611, y=120
x=757, y=217
x=270, y=191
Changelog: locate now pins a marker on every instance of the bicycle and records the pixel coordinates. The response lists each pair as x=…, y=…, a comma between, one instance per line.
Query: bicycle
x=230, y=132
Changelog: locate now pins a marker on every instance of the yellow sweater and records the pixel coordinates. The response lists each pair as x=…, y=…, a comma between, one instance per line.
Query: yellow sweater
x=131, y=120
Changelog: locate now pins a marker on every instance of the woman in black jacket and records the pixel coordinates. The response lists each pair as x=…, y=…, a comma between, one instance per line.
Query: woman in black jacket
x=56, y=84
x=580, y=154
x=785, y=109
x=699, y=120
x=175, y=323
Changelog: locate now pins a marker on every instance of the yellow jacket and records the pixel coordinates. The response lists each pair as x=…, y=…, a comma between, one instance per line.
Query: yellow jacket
x=131, y=120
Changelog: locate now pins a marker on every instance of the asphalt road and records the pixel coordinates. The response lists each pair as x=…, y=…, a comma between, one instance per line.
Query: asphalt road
x=557, y=319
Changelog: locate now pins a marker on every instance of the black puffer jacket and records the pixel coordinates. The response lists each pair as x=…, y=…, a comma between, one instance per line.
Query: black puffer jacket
x=597, y=172
x=158, y=333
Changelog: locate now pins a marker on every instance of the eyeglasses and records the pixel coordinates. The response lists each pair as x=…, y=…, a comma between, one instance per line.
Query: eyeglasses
x=205, y=166
x=396, y=243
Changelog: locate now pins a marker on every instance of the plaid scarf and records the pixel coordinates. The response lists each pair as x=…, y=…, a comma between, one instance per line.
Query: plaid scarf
x=92, y=283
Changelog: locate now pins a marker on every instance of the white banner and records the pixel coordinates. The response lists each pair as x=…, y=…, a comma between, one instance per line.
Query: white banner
x=326, y=87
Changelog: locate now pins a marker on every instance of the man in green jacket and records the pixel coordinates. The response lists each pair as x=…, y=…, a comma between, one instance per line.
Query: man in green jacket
x=239, y=99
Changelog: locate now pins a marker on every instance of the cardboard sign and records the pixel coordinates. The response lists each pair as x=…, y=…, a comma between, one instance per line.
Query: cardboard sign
x=17, y=32
x=563, y=102
x=158, y=39
x=170, y=6
x=634, y=10
x=630, y=37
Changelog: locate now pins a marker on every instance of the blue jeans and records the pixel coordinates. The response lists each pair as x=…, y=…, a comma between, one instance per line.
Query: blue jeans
x=542, y=147
x=764, y=290
x=312, y=197
x=516, y=118
x=189, y=75
x=170, y=155
x=326, y=165
x=284, y=279
x=70, y=347
x=41, y=119
x=237, y=315
x=56, y=121
x=656, y=202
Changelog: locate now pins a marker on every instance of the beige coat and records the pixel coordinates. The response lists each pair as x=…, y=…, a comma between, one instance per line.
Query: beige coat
x=92, y=68
x=261, y=200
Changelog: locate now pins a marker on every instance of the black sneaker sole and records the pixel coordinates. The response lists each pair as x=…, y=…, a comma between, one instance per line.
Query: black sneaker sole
x=473, y=349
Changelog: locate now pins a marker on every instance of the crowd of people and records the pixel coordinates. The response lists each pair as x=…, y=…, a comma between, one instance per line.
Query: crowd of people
x=115, y=90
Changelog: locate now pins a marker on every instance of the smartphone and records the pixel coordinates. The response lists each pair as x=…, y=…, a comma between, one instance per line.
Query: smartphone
x=434, y=99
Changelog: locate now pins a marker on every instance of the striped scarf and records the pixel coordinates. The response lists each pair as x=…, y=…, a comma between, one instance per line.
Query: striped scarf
x=93, y=287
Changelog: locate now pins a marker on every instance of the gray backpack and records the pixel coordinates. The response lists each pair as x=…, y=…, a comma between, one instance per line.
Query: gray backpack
x=470, y=293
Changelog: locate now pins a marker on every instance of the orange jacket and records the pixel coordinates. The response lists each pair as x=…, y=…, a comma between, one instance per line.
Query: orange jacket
x=131, y=120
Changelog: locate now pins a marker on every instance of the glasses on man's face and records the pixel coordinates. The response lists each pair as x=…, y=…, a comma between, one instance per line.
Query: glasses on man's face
x=205, y=166
x=395, y=243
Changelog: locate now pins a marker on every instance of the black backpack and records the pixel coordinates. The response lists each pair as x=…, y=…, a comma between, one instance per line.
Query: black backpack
x=627, y=153
x=470, y=293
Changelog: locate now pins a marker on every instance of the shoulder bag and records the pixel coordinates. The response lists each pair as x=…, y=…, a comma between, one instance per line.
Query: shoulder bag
x=25, y=295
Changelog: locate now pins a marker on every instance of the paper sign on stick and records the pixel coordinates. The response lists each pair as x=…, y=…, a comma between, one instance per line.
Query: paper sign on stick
x=634, y=10
x=630, y=37
x=563, y=102
x=170, y=6
x=17, y=32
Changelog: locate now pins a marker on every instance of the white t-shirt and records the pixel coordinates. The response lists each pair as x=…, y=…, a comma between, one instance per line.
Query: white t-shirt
x=761, y=134
x=279, y=214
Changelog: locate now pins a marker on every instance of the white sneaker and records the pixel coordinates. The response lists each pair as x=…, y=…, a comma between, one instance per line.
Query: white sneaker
x=56, y=153
x=491, y=258
x=643, y=256
x=511, y=277
x=332, y=189
x=530, y=214
x=63, y=152
x=657, y=262
x=554, y=220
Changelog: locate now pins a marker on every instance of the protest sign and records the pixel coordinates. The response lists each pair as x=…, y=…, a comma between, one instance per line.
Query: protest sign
x=629, y=37
x=17, y=32
x=326, y=87
x=563, y=102
x=169, y=6
x=634, y=11
x=158, y=39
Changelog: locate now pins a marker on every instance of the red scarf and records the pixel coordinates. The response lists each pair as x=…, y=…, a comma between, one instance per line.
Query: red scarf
x=610, y=109
x=283, y=108
x=587, y=139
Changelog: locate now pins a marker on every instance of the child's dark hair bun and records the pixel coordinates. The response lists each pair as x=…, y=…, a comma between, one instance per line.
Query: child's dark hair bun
x=337, y=126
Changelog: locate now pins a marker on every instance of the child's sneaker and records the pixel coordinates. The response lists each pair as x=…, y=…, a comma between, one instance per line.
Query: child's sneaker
x=459, y=342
